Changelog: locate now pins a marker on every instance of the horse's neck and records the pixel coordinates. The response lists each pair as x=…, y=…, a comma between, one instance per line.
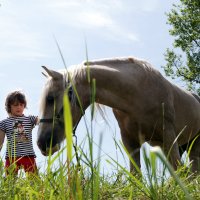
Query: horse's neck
x=107, y=89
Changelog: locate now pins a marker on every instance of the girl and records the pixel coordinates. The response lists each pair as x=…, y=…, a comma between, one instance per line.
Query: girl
x=18, y=130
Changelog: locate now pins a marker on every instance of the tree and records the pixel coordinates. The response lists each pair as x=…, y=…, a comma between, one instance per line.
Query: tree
x=184, y=59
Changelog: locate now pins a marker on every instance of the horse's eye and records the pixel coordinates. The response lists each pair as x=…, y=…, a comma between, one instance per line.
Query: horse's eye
x=50, y=99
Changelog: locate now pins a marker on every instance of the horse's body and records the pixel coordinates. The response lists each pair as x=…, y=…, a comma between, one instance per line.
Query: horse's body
x=146, y=106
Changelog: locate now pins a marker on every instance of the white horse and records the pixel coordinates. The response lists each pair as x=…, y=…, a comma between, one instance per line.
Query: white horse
x=146, y=105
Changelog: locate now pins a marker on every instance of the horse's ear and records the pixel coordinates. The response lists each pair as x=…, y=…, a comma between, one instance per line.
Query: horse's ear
x=52, y=73
x=45, y=74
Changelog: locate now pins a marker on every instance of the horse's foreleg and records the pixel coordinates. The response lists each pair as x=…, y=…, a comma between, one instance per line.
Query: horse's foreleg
x=133, y=149
x=170, y=146
x=135, y=155
x=127, y=128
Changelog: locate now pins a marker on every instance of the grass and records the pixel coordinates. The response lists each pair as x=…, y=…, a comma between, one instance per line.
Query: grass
x=85, y=182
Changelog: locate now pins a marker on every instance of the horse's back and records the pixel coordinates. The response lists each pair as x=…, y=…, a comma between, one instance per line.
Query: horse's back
x=144, y=89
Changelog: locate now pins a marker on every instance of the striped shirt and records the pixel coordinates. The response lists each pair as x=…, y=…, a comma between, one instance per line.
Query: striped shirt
x=18, y=131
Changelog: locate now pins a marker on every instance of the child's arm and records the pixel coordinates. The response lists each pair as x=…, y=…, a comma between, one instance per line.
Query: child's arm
x=2, y=137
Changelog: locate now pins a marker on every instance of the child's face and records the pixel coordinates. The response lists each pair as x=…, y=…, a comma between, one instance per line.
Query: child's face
x=17, y=109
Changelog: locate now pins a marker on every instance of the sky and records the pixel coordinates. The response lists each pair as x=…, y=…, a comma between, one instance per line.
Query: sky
x=109, y=28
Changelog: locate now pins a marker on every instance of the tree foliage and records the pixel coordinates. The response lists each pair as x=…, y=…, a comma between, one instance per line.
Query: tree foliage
x=184, y=59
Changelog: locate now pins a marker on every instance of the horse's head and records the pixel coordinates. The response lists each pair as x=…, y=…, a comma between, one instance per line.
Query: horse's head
x=51, y=127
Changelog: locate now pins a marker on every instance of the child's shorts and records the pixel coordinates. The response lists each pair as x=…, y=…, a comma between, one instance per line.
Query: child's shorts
x=28, y=163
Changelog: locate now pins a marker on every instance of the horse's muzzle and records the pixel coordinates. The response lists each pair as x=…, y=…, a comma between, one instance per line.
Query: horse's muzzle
x=49, y=150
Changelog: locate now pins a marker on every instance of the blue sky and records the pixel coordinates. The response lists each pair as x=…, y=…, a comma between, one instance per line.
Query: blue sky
x=110, y=28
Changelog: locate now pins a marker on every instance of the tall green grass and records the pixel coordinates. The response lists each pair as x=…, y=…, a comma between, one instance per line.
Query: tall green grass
x=69, y=181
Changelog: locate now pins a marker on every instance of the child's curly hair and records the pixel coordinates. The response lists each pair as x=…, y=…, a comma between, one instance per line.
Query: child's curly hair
x=13, y=97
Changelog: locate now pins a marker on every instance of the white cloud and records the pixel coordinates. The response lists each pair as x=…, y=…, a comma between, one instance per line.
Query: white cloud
x=24, y=25
x=95, y=15
x=133, y=37
x=95, y=19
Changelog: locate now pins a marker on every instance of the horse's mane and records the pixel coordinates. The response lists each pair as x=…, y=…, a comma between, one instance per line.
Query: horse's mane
x=74, y=73
x=121, y=60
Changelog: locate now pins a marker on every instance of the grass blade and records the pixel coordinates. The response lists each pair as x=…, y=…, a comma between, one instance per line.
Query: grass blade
x=68, y=126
